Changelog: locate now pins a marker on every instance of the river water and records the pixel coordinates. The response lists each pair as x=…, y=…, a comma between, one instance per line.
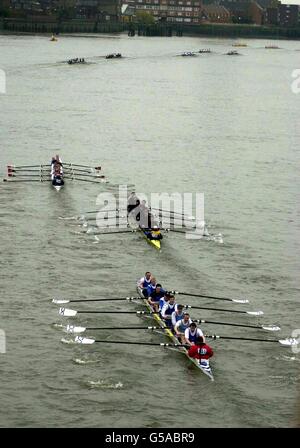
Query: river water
x=224, y=126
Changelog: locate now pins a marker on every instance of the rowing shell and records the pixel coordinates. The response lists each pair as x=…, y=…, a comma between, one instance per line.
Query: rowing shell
x=133, y=224
x=57, y=183
x=205, y=369
x=155, y=243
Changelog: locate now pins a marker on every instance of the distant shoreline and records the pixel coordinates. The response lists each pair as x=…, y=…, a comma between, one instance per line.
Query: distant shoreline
x=29, y=27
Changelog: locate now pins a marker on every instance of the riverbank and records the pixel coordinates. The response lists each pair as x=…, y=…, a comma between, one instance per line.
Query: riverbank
x=217, y=30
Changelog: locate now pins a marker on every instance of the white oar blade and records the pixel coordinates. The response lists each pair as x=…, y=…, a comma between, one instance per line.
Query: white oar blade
x=67, y=312
x=271, y=327
x=255, y=313
x=288, y=342
x=240, y=300
x=82, y=340
x=73, y=329
x=60, y=301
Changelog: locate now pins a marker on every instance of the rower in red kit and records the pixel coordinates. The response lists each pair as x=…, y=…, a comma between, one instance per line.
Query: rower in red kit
x=200, y=350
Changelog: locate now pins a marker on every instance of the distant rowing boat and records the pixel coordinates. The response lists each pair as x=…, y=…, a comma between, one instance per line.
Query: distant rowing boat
x=57, y=173
x=206, y=369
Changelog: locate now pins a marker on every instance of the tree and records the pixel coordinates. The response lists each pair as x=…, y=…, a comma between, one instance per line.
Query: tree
x=145, y=18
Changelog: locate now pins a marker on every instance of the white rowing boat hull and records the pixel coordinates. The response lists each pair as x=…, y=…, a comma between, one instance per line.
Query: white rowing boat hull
x=206, y=370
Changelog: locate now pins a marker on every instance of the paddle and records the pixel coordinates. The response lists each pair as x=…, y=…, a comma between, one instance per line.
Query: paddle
x=82, y=340
x=62, y=301
x=106, y=211
x=25, y=180
x=86, y=180
x=285, y=342
x=67, y=312
x=82, y=166
x=252, y=313
x=171, y=211
x=210, y=297
x=112, y=233
x=27, y=166
x=74, y=329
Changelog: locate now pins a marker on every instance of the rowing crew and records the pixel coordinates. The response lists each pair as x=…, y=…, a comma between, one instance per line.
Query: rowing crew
x=175, y=318
x=142, y=215
x=57, y=171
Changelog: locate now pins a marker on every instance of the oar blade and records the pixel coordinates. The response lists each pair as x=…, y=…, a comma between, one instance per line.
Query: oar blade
x=67, y=312
x=255, y=313
x=82, y=340
x=271, y=327
x=240, y=300
x=60, y=301
x=73, y=329
x=288, y=342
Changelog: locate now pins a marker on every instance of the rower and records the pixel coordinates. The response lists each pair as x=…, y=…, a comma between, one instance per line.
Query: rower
x=132, y=202
x=155, y=297
x=144, y=213
x=151, y=287
x=164, y=300
x=177, y=315
x=191, y=334
x=144, y=282
x=200, y=350
x=181, y=326
x=167, y=310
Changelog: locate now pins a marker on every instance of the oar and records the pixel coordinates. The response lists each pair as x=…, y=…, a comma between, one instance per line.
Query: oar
x=84, y=180
x=258, y=327
x=24, y=180
x=286, y=342
x=27, y=166
x=63, y=301
x=82, y=166
x=171, y=211
x=210, y=297
x=113, y=233
x=20, y=170
x=252, y=313
x=73, y=329
x=91, y=175
x=78, y=329
x=106, y=211
x=29, y=175
x=67, y=312
x=82, y=340
x=185, y=232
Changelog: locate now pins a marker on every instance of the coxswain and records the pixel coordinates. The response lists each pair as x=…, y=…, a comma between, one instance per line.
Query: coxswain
x=167, y=311
x=155, y=297
x=200, y=350
x=144, y=282
x=191, y=334
x=181, y=326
